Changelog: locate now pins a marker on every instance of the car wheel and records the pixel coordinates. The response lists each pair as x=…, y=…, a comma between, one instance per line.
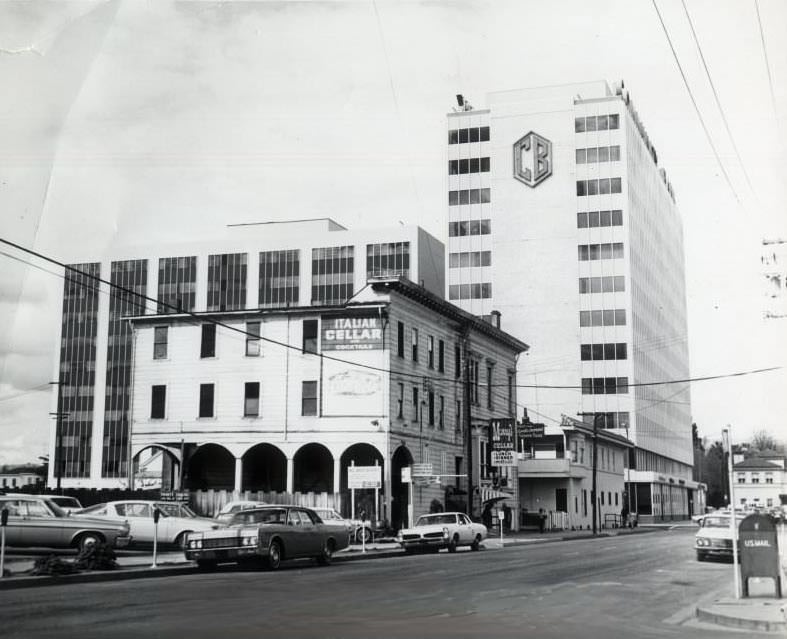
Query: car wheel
x=701, y=555
x=182, y=539
x=363, y=534
x=476, y=545
x=206, y=565
x=452, y=544
x=274, y=555
x=88, y=539
x=326, y=556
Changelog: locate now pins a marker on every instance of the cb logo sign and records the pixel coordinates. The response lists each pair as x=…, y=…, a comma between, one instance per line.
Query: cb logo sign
x=532, y=159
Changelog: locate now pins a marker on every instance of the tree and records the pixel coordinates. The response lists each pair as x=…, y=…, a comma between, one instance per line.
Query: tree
x=698, y=446
x=762, y=440
x=714, y=474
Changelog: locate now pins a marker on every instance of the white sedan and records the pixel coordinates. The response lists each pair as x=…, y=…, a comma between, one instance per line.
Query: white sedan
x=442, y=530
x=139, y=515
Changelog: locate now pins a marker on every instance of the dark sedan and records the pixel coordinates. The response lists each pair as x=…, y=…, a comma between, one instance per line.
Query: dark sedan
x=270, y=534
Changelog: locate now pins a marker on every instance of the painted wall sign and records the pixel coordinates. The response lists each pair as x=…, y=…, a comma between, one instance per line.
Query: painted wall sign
x=532, y=159
x=351, y=333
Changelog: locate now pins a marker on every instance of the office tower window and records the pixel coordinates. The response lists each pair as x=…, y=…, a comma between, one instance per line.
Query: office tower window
x=309, y=398
x=607, y=317
x=206, y=400
x=591, y=252
x=593, y=219
x=468, y=165
x=616, y=350
x=609, y=284
x=414, y=343
x=596, y=123
x=160, y=342
x=601, y=186
x=471, y=258
x=610, y=420
x=208, y=343
x=253, y=339
x=400, y=339
x=598, y=154
x=332, y=274
x=604, y=385
x=227, y=282
x=177, y=284
x=388, y=260
x=279, y=278
x=158, y=401
x=482, y=290
x=470, y=227
x=310, y=330
x=441, y=356
x=469, y=196
x=251, y=399
x=473, y=134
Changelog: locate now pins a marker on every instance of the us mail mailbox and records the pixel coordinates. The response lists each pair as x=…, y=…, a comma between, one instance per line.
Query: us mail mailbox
x=759, y=551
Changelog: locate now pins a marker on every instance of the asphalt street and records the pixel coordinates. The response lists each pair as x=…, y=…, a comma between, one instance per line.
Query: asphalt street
x=628, y=586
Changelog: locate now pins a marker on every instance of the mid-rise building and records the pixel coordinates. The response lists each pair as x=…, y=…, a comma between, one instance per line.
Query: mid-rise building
x=761, y=482
x=560, y=218
x=245, y=267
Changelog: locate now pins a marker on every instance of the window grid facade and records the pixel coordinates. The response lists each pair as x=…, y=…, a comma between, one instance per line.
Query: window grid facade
x=227, y=282
x=606, y=284
x=279, y=283
x=131, y=275
x=470, y=227
x=77, y=377
x=177, y=284
x=332, y=274
x=388, y=260
x=595, y=219
x=605, y=385
x=469, y=196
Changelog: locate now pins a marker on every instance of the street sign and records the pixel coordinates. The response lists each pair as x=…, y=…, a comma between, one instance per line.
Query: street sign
x=531, y=431
x=422, y=470
x=406, y=475
x=364, y=476
x=174, y=495
x=503, y=458
x=501, y=433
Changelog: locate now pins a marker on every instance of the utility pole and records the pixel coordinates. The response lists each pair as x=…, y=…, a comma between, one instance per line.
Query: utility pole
x=595, y=468
x=466, y=420
x=726, y=435
x=58, y=460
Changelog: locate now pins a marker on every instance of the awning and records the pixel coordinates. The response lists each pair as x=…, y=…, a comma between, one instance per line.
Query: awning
x=489, y=494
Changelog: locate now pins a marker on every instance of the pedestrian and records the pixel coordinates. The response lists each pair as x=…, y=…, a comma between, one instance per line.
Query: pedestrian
x=542, y=520
x=506, y=518
x=486, y=515
x=624, y=516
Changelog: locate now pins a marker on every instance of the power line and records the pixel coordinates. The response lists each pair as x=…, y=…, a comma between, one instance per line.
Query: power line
x=767, y=62
x=694, y=102
x=716, y=96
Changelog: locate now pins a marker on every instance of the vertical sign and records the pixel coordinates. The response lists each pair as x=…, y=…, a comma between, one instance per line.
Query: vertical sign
x=501, y=439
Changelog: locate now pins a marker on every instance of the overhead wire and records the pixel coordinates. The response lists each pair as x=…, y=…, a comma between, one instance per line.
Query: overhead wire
x=767, y=61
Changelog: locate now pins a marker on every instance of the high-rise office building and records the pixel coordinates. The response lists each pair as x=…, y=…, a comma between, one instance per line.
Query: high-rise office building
x=561, y=219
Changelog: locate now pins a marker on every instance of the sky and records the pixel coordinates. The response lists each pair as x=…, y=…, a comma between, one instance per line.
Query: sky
x=131, y=122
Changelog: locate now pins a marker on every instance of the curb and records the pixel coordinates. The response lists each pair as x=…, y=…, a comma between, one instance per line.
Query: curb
x=739, y=622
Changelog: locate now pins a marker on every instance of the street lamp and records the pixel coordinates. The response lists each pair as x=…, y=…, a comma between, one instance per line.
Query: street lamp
x=59, y=415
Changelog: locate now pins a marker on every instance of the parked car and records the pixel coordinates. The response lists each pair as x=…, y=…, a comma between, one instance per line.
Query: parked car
x=270, y=534
x=36, y=521
x=442, y=530
x=359, y=530
x=67, y=504
x=139, y=514
x=227, y=511
x=714, y=538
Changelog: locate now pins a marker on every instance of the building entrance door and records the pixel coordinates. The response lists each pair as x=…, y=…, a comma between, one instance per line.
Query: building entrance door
x=561, y=500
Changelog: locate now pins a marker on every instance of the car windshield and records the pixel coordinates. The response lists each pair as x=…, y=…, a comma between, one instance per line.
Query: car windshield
x=187, y=512
x=59, y=512
x=718, y=522
x=431, y=520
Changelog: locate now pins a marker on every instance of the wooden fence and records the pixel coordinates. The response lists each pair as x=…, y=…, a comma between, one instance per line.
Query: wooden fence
x=209, y=502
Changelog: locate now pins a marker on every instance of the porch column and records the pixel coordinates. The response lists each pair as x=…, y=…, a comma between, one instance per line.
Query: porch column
x=238, y=474
x=337, y=475
x=290, y=475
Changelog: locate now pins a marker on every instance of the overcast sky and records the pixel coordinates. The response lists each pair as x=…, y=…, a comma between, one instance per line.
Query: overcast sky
x=129, y=122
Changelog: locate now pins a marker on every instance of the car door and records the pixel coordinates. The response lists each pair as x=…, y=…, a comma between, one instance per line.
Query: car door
x=140, y=519
x=13, y=530
x=294, y=538
x=312, y=533
x=465, y=528
x=42, y=525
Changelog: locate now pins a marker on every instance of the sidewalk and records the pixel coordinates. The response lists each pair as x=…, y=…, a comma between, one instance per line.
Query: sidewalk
x=757, y=613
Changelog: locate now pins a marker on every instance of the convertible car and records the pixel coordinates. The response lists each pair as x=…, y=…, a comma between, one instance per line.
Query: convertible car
x=270, y=535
